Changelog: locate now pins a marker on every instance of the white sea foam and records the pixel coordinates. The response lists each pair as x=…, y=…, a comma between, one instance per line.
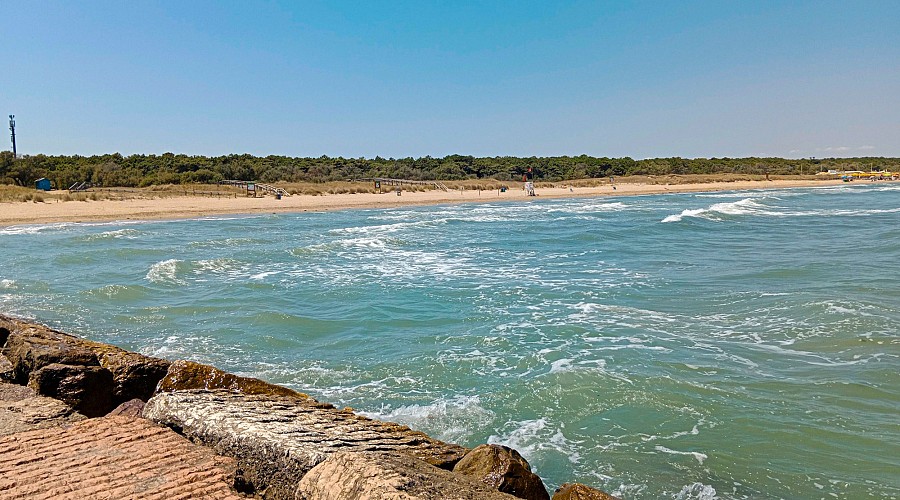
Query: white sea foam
x=59, y=226
x=737, y=194
x=367, y=242
x=226, y=243
x=561, y=365
x=453, y=419
x=7, y=283
x=220, y=266
x=831, y=307
x=165, y=272
x=684, y=213
x=403, y=215
x=841, y=212
x=533, y=438
x=693, y=432
x=751, y=206
x=181, y=347
x=697, y=491
x=700, y=457
x=745, y=206
x=263, y=275
x=352, y=244
x=812, y=358
x=331, y=383
x=386, y=228
x=590, y=311
x=387, y=259
x=34, y=229
x=227, y=217
x=589, y=207
x=630, y=490
x=115, y=234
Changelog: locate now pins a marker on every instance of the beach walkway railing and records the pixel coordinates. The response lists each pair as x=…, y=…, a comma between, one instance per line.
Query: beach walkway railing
x=400, y=182
x=253, y=186
x=277, y=191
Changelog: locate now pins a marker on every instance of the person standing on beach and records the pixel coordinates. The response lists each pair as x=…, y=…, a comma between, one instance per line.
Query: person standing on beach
x=529, y=182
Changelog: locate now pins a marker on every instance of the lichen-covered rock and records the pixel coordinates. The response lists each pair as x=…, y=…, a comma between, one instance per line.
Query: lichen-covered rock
x=185, y=375
x=380, y=476
x=503, y=468
x=133, y=408
x=578, y=491
x=21, y=409
x=88, y=389
x=279, y=439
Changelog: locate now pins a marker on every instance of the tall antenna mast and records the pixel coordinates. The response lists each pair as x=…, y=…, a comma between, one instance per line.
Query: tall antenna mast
x=12, y=128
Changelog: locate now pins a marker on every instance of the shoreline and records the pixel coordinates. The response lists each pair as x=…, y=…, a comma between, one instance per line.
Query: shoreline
x=185, y=207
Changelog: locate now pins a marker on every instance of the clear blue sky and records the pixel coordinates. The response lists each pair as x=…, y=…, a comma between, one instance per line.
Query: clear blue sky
x=395, y=79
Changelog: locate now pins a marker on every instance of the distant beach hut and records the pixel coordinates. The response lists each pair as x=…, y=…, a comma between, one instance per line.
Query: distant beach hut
x=42, y=184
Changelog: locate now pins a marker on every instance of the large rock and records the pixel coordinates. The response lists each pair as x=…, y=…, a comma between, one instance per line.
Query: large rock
x=133, y=408
x=186, y=375
x=88, y=389
x=31, y=347
x=578, y=491
x=21, y=409
x=380, y=476
x=135, y=376
x=278, y=439
x=111, y=457
x=503, y=468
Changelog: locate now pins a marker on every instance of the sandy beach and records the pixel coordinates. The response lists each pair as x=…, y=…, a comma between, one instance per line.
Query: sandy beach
x=179, y=207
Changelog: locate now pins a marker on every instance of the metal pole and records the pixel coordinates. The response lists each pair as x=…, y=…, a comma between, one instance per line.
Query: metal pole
x=12, y=129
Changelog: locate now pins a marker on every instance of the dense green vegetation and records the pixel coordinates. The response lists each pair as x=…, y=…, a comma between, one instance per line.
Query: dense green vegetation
x=146, y=170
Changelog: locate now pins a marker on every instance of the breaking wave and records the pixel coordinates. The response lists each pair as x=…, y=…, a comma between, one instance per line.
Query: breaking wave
x=746, y=206
x=454, y=419
x=166, y=272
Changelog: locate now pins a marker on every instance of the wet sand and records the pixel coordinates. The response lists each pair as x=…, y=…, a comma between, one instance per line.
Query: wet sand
x=180, y=207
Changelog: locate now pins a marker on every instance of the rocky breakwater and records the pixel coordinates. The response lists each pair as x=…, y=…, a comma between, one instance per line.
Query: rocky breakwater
x=155, y=428
x=91, y=377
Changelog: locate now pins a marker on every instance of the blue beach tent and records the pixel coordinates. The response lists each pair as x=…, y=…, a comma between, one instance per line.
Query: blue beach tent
x=43, y=184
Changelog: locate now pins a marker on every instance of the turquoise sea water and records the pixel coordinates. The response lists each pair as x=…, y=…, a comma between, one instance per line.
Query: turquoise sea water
x=717, y=345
